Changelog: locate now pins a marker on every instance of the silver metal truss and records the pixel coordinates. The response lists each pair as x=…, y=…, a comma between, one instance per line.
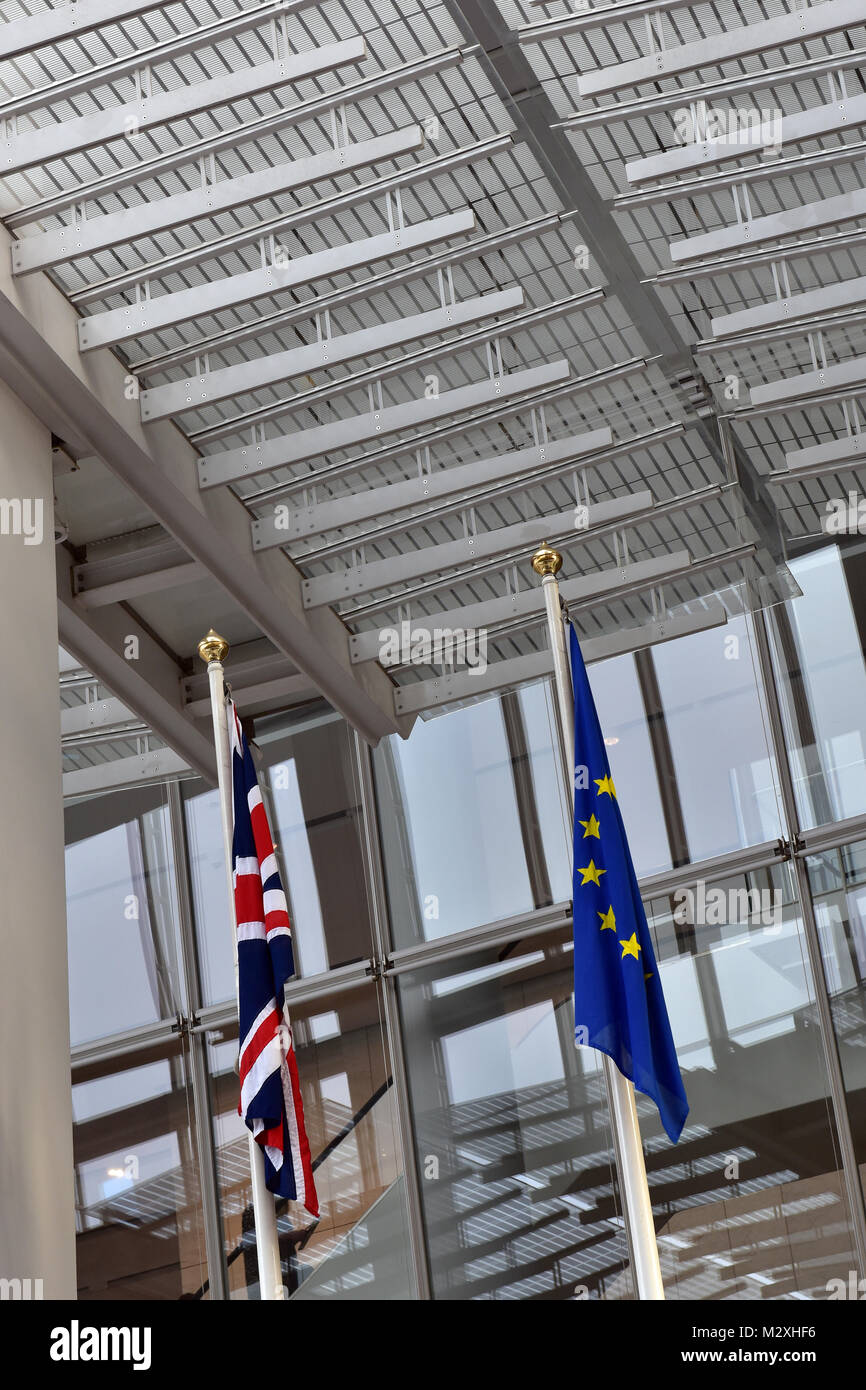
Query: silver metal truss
x=797, y=26
x=284, y=221
x=132, y=224
x=496, y=491
x=110, y=69
x=517, y=607
x=628, y=109
x=23, y=150
x=395, y=366
x=835, y=381
x=151, y=765
x=457, y=685
x=593, y=18
x=95, y=716
x=762, y=138
x=480, y=568
x=285, y=525
x=387, y=279
x=449, y=555
x=194, y=392
x=775, y=226
x=535, y=399
x=230, y=465
x=790, y=308
x=200, y=301
x=230, y=138
x=773, y=167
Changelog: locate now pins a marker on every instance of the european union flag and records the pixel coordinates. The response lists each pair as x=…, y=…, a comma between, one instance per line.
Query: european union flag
x=619, y=1006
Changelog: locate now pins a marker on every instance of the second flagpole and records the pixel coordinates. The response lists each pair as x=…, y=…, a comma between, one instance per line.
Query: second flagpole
x=213, y=649
x=631, y=1169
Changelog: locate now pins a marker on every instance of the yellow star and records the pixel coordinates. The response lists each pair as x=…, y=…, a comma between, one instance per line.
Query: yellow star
x=591, y=874
x=608, y=920
x=647, y=974
x=605, y=786
x=630, y=947
x=591, y=827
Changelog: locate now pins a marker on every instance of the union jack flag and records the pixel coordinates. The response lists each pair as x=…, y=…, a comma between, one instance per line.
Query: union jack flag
x=270, y=1094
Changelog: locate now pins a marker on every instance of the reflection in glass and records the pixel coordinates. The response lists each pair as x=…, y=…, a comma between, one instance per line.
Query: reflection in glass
x=838, y=883
x=472, y=817
x=138, y=1205
x=359, y=1248
x=749, y=1204
x=306, y=773
x=818, y=655
x=120, y=915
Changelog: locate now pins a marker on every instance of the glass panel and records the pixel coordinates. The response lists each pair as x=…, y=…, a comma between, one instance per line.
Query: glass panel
x=511, y=1121
x=838, y=883
x=511, y=1134
x=449, y=863
x=818, y=653
x=138, y=1206
x=724, y=776
x=688, y=749
x=120, y=908
x=359, y=1248
x=306, y=772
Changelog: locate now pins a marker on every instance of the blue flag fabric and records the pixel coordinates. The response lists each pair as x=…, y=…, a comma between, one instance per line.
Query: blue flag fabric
x=619, y=1007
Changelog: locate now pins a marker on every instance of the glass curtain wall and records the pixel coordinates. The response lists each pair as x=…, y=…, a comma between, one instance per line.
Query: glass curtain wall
x=461, y=1141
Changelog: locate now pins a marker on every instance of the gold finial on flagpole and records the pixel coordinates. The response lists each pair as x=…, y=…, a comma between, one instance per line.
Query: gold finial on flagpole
x=212, y=647
x=546, y=560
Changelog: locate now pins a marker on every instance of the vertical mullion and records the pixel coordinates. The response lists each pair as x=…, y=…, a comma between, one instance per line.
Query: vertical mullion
x=838, y=1096
x=393, y=1029
x=197, y=1045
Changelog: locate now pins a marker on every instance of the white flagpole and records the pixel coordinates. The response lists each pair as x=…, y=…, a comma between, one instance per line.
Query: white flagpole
x=637, y=1208
x=213, y=649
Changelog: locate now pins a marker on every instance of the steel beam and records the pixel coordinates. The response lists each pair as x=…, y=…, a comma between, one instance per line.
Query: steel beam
x=777, y=167
x=159, y=468
x=93, y=715
x=150, y=315
x=165, y=50
x=417, y=359
x=230, y=465
x=149, y=582
x=797, y=26
x=843, y=114
x=439, y=432
x=492, y=492
x=747, y=260
x=193, y=393
x=358, y=289
x=833, y=454
x=61, y=138
x=482, y=568
x=67, y=21
x=290, y=524
x=229, y=138
x=829, y=299
x=766, y=80
x=843, y=207
x=529, y=603
x=147, y=681
x=95, y=233
x=78, y=17
x=397, y=569
x=624, y=13
x=450, y=687
x=153, y=766
x=291, y=220
x=846, y=378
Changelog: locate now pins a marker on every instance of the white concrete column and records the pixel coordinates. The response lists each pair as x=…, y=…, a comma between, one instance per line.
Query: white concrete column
x=37, y=1214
